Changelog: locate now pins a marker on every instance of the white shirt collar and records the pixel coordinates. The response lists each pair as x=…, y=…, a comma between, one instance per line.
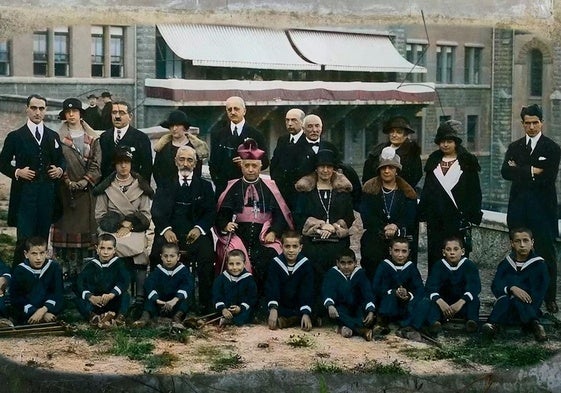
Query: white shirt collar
x=123, y=131
x=534, y=139
x=296, y=137
x=239, y=126
x=32, y=126
x=180, y=176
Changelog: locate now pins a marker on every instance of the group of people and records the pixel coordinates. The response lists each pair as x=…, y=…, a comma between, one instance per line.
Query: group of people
x=281, y=244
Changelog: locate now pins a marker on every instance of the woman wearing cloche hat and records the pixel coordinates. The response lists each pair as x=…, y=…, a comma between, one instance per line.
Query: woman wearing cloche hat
x=166, y=147
x=451, y=197
x=73, y=235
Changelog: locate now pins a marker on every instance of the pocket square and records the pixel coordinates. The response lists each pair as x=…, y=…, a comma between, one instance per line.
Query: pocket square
x=542, y=158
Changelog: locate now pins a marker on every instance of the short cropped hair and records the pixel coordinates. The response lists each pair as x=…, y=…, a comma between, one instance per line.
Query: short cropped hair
x=236, y=253
x=123, y=103
x=399, y=240
x=170, y=246
x=453, y=238
x=291, y=234
x=347, y=252
x=38, y=96
x=514, y=231
x=107, y=237
x=35, y=241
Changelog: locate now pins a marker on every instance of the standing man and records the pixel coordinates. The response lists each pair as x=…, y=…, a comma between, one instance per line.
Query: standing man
x=123, y=134
x=289, y=151
x=106, y=109
x=224, y=163
x=92, y=114
x=183, y=212
x=39, y=162
x=532, y=163
x=313, y=128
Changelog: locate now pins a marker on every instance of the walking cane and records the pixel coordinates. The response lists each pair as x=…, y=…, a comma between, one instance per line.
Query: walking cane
x=227, y=245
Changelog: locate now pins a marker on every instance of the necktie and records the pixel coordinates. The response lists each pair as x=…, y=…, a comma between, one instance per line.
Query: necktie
x=37, y=134
x=529, y=146
x=118, y=139
x=185, y=181
x=292, y=139
x=235, y=132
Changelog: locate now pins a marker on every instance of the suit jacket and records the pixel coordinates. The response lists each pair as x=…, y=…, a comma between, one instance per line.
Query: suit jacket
x=224, y=146
x=142, y=155
x=22, y=146
x=285, y=165
x=202, y=207
x=532, y=194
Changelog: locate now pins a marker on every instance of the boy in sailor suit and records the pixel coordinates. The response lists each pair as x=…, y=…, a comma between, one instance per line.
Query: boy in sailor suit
x=348, y=297
x=234, y=293
x=102, y=286
x=36, y=288
x=520, y=284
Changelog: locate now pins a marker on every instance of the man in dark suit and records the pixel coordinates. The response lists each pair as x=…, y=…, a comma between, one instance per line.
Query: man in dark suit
x=532, y=163
x=285, y=164
x=183, y=212
x=122, y=134
x=92, y=114
x=39, y=162
x=106, y=118
x=224, y=163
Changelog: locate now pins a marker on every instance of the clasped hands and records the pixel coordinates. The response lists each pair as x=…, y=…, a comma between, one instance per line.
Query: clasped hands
x=101, y=300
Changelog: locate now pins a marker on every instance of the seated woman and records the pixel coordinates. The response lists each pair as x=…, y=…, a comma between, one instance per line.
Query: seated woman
x=388, y=210
x=324, y=213
x=123, y=209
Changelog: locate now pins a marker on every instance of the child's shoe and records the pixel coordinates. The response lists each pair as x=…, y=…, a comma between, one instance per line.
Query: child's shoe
x=435, y=328
x=366, y=333
x=410, y=333
x=489, y=330
x=94, y=319
x=144, y=320
x=119, y=320
x=178, y=317
x=346, y=332
x=538, y=331
x=106, y=320
x=471, y=326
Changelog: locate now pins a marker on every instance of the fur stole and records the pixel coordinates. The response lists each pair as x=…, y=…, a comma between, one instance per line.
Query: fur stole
x=374, y=187
x=339, y=182
x=200, y=146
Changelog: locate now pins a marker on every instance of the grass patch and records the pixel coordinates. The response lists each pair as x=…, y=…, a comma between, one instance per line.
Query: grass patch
x=155, y=362
x=321, y=367
x=226, y=361
x=300, y=341
x=395, y=367
x=497, y=354
x=91, y=335
x=132, y=347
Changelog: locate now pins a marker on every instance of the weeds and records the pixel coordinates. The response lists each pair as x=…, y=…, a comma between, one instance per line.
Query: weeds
x=155, y=362
x=127, y=345
x=322, y=367
x=225, y=362
x=91, y=335
x=300, y=341
x=395, y=367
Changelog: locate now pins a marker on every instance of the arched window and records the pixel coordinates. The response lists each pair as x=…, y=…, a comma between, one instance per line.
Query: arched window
x=536, y=73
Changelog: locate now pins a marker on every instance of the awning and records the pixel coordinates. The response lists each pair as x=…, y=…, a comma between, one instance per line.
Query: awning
x=185, y=92
x=233, y=46
x=351, y=51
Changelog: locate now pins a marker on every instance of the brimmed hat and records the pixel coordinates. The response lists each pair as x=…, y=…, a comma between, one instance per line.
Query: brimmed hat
x=123, y=153
x=249, y=150
x=105, y=94
x=70, y=103
x=91, y=96
x=449, y=130
x=389, y=157
x=176, y=118
x=398, y=122
x=326, y=157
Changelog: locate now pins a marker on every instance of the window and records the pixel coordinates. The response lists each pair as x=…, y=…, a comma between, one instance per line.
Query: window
x=168, y=64
x=415, y=54
x=472, y=65
x=97, y=51
x=445, y=64
x=40, y=53
x=536, y=73
x=117, y=48
x=61, y=52
x=472, y=132
x=4, y=58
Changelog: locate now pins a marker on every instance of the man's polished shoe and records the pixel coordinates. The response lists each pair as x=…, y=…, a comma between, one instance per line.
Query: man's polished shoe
x=551, y=306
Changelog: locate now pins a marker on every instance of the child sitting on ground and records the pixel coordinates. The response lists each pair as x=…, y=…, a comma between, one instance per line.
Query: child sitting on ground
x=519, y=285
x=452, y=289
x=102, y=286
x=234, y=292
x=168, y=288
x=5, y=278
x=36, y=289
x=398, y=288
x=348, y=296
x=289, y=288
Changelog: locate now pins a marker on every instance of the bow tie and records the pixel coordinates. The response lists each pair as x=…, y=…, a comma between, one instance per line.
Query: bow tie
x=314, y=143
